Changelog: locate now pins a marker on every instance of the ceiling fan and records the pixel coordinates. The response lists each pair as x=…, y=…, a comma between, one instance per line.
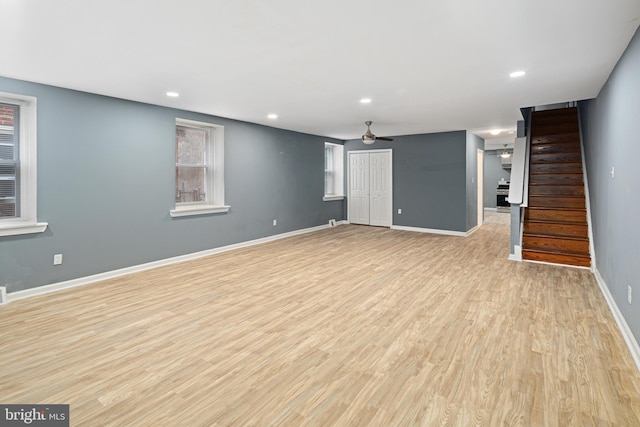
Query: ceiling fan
x=370, y=138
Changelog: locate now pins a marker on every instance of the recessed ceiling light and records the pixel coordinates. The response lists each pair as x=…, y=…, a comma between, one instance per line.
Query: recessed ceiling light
x=365, y=101
x=173, y=94
x=272, y=116
x=517, y=74
x=495, y=132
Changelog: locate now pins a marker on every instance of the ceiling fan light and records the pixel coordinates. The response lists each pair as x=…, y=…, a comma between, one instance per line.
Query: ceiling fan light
x=368, y=140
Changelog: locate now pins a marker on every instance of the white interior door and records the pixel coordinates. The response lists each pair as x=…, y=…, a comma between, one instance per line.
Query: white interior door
x=370, y=188
x=359, y=188
x=380, y=185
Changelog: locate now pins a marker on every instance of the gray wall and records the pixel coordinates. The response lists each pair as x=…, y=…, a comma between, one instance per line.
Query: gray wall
x=106, y=185
x=429, y=179
x=611, y=138
x=493, y=171
x=474, y=143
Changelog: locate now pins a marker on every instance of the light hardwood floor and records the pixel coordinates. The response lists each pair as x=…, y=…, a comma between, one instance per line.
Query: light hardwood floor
x=347, y=326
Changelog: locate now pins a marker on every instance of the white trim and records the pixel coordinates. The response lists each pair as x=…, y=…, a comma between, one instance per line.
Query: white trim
x=517, y=256
x=27, y=222
x=632, y=344
x=16, y=228
x=343, y=222
x=555, y=264
x=337, y=154
x=491, y=209
x=215, y=202
x=81, y=281
x=434, y=231
x=380, y=150
x=190, y=210
x=518, y=171
x=587, y=198
x=473, y=230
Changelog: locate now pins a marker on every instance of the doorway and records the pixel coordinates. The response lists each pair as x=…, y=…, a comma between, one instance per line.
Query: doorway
x=370, y=198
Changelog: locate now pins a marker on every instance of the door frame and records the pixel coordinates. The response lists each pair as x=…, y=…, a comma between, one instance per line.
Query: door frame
x=480, y=183
x=381, y=150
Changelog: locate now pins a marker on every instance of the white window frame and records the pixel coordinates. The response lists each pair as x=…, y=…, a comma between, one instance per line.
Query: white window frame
x=214, y=202
x=26, y=222
x=336, y=170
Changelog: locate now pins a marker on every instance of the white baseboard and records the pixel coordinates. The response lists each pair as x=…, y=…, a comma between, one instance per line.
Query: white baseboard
x=622, y=323
x=517, y=255
x=81, y=281
x=491, y=209
x=432, y=230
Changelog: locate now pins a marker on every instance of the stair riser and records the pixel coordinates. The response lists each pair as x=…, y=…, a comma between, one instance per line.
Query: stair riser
x=555, y=215
x=556, y=258
x=555, y=168
x=571, y=148
x=572, y=230
x=555, y=139
x=558, y=244
x=556, y=179
x=557, y=202
x=558, y=113
x=556, y=158
x=555, y=130
x=556, y=190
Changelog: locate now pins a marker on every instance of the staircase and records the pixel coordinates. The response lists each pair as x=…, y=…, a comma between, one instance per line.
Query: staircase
x=555, y=223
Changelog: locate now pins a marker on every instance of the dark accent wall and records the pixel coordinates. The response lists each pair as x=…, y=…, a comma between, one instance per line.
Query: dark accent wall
x=493, y=172
x=611, y=138
x=429, y=179
x=106, y=185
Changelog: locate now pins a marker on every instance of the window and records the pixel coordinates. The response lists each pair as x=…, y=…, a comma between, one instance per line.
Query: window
x=199, y=183
x=18, y=166
x=333, y=170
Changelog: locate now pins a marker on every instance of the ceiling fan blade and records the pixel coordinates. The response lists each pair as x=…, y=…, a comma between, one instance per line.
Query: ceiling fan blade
x=382, y=138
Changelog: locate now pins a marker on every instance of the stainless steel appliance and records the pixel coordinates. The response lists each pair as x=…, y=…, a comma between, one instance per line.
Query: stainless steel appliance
x=502, y=195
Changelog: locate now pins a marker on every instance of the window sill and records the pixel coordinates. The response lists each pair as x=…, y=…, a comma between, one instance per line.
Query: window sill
x=197, y=210
x=330, y=198
x=24, y=228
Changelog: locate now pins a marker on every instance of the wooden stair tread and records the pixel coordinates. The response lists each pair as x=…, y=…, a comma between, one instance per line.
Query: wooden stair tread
x=556, y=236
x=557, y=258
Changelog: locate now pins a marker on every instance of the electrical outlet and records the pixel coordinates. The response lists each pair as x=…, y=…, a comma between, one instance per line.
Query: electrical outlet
x=3, y=295
x=275, y=222
x=613, y=172
x=57, y=259
x=399, y=211
x=629, y=294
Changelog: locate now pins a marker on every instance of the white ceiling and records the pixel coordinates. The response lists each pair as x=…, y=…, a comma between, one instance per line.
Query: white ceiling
x=428, y=65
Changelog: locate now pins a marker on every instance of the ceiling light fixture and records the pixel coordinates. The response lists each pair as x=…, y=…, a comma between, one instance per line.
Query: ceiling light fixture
x=505, y=154
x=173, y=94
x=517, y=74
x=365, y=101
x=495, y=132
x=272, y=116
